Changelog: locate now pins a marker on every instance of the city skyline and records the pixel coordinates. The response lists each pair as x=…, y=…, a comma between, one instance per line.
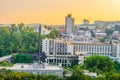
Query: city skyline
x=54, y=11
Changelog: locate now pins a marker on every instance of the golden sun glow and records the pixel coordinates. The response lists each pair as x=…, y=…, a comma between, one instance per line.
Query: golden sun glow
x=54, y=11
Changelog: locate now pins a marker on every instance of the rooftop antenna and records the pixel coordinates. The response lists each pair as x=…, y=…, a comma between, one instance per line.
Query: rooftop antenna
x=89, y=19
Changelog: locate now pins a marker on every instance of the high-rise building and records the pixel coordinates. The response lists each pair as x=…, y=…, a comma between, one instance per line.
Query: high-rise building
x=69, y=24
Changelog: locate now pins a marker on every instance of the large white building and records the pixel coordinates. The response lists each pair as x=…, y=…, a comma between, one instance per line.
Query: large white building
x=69, y=24
x=64, y=52
x=58, y=51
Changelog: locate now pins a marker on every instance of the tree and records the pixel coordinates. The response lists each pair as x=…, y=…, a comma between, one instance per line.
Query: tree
x=78, y=75
x=5, y=63
x=109, y=31
x=53, y=34
x=117, y=28
x=21, y=27
x=31, y=49
x=21, y=39
x=112, y=76
x=74, y=62
x=102, y=39
x=99, y=64
x=117, y=66
x=13, y=28
x=22, y=58
x=93, y=34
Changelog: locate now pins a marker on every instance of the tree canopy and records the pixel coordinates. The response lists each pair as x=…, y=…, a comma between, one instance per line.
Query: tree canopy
x=11, y=75
x=53, y=34
x=99, y=64
x=22, y=58
x=109, y=31
x=21, y=39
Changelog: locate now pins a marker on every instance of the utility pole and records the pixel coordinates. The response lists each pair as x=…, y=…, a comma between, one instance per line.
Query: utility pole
x=39, y=45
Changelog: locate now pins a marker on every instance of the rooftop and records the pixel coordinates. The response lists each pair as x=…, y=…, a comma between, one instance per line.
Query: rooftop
x=33, y=67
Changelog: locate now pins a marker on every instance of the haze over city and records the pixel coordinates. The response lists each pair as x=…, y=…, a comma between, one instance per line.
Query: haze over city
x=54, y=11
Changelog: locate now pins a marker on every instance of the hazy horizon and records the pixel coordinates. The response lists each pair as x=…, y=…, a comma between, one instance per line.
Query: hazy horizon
x=54, y=11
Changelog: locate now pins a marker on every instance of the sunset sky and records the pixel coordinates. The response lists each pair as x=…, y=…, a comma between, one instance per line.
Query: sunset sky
x=54, y=11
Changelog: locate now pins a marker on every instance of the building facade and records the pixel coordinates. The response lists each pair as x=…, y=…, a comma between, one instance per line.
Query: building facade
x=64, y=52
x=93, y=49
x=58, y=52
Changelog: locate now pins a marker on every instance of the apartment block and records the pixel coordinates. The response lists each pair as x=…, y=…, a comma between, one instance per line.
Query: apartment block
x=64, y=52
x=58, y=52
